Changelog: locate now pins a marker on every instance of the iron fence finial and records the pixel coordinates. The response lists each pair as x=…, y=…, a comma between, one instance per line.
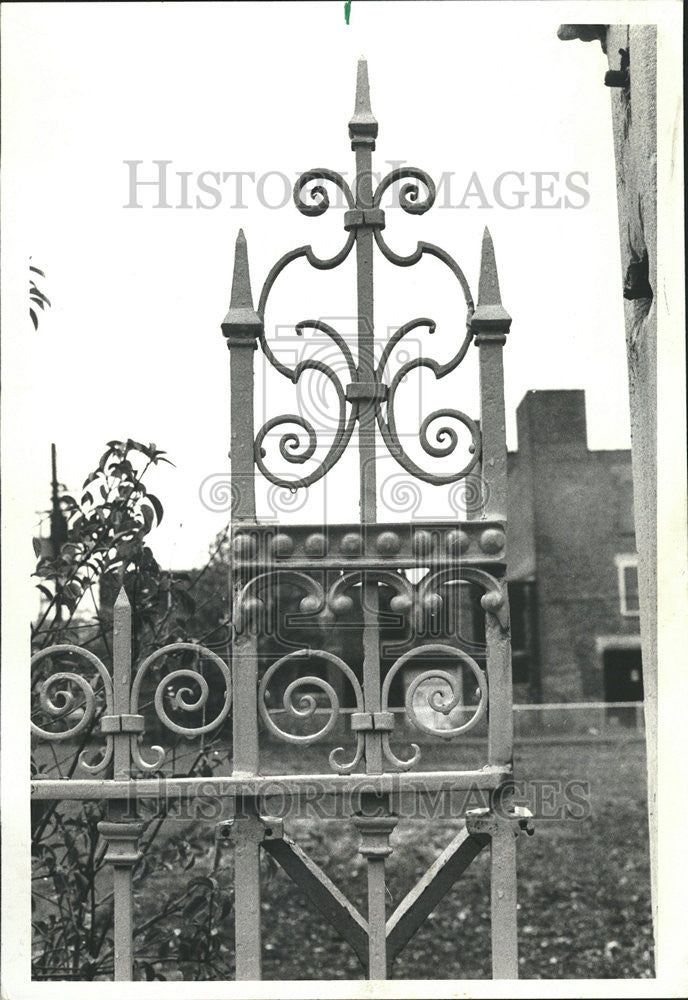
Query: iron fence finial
x=488, y=286
x=122, y=600
x=241, y=318
x=490, y=315
x=241, y=297
x=363, y=124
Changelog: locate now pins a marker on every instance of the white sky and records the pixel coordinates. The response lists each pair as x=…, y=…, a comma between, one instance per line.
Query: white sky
x=132, y=345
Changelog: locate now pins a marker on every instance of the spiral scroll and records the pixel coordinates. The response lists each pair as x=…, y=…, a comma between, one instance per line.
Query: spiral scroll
x=410, y=198
x=183, y=698
x=306, y=705
x=446, y=437
x=292, y=446
x=435, y=699
x=60, y=704
x=318, y=193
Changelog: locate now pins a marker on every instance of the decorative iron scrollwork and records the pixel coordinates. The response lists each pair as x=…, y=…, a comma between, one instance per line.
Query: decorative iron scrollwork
x=183, y=699
x=409, y=194
x=436, y=699
x=62, y=705
x=299, y=444
x=304, y=705
x=291, y=446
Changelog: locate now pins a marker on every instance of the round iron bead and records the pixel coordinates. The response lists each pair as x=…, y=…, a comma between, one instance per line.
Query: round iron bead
x=282, y=546
x=388, y=543
x=316, y=545
x=422, y=543
x=492, y=541
x=252, y=607
x=351, y=544
x=432, y=603
x=492, y=601
x=244, y=546
x=458, y=541
x=401, y=603
x=341, y=604
x=309, y=604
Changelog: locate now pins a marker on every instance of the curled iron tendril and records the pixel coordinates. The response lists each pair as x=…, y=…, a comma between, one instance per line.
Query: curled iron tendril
x=62, y=704
x=182, y=699
x=292, y=447
x=303, y=705
x=437, y=699
x=299, y=443
x=446, y=437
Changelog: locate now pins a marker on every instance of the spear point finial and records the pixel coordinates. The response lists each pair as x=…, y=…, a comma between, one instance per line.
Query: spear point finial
x=363, y=124
x=122, y=600
x=490, y=316
x=488, y=288
x=241, y=282
x=241, y=321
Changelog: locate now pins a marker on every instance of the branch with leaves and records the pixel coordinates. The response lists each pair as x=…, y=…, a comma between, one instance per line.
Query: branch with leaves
x=37, y=299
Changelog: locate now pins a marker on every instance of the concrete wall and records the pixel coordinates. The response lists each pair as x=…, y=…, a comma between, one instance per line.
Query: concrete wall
x=634, y=124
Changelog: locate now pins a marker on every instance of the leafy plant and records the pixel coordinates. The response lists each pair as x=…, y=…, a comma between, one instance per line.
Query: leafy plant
x=37, y=300
x=106, y=546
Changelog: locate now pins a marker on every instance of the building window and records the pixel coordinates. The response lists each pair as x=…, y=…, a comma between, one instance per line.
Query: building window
x=627, y=568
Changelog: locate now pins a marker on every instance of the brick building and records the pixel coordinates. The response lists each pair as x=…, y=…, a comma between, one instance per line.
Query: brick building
x=573, y=580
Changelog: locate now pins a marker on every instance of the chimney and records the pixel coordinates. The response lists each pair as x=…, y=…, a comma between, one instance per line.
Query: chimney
x=552, y=419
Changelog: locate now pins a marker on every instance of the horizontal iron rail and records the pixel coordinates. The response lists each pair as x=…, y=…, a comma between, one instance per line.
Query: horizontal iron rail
x=287, y=785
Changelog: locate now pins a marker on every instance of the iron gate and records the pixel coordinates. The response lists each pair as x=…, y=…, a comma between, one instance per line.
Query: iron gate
x=329, y=563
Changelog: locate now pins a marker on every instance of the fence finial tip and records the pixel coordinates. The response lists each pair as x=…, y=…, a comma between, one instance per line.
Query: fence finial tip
x=362, y=107
x=241, y=297
x=242, y=320
x=363, y=122
x=122, y=601
x=488, y=287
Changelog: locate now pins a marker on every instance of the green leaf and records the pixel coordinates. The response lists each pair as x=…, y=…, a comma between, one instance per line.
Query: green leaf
x=157, y=506
x=38, y=297
x=148, y=517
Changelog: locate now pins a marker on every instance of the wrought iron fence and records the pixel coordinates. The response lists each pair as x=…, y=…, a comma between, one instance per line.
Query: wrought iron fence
x=194, y=692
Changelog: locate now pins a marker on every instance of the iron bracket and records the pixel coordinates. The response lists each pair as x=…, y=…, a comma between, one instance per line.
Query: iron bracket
x=363, y=391
x=620, y=77
x=485, y=821
x=357, y=217
x=122, y=724
x=380, y=722
x=254, y=827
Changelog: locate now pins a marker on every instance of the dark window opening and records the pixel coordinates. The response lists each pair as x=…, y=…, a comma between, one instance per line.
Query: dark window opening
x=623, y=681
